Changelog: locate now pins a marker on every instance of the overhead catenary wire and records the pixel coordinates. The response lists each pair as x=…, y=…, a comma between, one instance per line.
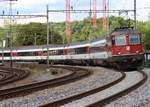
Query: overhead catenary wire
x=87, y=11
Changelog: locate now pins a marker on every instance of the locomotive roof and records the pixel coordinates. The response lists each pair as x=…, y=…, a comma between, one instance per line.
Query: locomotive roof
x=125, y=30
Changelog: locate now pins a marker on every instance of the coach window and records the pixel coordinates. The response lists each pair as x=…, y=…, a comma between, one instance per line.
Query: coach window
x=50, y=52
x=60, y=52
x=6, y=54
x=71, y=51
x=81, y=50
x=55, y=52
x=97, y=49
x=44, y=53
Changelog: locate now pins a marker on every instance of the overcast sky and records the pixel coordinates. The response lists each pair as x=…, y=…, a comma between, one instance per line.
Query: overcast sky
x=39, y=7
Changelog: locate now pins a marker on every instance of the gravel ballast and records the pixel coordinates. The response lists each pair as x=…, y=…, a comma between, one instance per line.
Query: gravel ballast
x=99, y=78
x=38, y=75
x=127, y=82
x=137, y=98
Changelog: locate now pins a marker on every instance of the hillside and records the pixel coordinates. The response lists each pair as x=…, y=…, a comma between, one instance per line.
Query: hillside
x=28, y=34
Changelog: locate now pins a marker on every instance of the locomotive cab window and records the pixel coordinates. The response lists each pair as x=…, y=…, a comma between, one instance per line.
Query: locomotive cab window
x=134, y=39
x=113, y=41
x=119, y=40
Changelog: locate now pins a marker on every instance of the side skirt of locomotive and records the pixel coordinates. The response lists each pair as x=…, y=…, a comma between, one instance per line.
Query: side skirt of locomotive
x=127, y=62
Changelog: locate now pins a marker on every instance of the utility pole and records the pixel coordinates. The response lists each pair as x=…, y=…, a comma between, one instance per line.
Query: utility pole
x=108, y=24
x=10, y=34
x=52, y=35
x=35, y=38
x=68, y=32
x=47, y=36
x=90, y=18
x=135, y=14
x=104, y=20
x=94, y=20
x=3, y=52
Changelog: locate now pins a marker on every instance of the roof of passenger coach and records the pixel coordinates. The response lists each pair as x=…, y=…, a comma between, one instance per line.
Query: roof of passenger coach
x=30, y=48
x=126, y=30
x=54, y=47
x=44, y=47
x=98, y=42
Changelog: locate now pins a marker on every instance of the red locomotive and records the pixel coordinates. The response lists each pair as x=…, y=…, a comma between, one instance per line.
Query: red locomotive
x=126, y=48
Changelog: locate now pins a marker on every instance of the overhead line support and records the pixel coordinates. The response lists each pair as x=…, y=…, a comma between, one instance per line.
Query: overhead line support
x=47, y=36
x=68, y=32
x=135, y=13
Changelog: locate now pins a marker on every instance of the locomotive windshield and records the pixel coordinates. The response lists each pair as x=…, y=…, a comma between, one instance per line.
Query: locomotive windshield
x=134, y=39
x=119, y=40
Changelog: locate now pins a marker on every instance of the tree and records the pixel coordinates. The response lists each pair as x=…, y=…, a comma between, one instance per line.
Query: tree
x=80, y=31
x=25, y=34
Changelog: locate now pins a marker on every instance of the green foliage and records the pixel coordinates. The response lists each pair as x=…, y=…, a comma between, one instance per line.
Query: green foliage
x=1, y=33
x=27, y=34
x=80, y=30
x=119, y=22
x=144, y=28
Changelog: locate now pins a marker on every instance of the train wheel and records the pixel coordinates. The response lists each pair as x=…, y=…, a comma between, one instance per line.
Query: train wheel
x=118, y=67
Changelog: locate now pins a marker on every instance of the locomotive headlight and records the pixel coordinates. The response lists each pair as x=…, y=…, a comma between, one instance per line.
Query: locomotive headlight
x=128, y=48
x=119, y=53
x=133, y=59
x=137, y=51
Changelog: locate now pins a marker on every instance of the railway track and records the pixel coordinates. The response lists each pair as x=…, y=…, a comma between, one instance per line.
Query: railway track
x=76, y=74
x=4, y=75
x=84, y=94
x=121, y=93
x=102, y=95
x=98, y=97
x=9, y=75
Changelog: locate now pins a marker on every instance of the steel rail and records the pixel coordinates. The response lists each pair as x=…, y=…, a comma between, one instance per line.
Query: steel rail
x=125, y=92
x=84, y=94
x=12, y=75
x=77, y=74
x=5, y=76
